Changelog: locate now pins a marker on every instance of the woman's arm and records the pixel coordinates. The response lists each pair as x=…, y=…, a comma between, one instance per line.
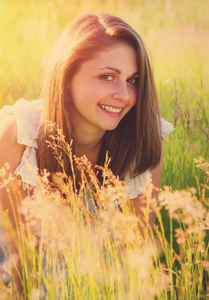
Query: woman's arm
x=10, y=152
x=140, y=203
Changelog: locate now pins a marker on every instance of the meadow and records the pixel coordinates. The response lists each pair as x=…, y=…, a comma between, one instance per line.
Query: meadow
x=175, y=263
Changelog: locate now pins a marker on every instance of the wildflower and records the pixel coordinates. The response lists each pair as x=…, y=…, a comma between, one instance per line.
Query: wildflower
x=180, y=235
x=202, y=164
x=205, y=264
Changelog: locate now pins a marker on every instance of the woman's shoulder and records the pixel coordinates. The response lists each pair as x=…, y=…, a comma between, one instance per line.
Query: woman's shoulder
x=10, y=151
x=19, y=125
x=166, y=128
x=27, y=115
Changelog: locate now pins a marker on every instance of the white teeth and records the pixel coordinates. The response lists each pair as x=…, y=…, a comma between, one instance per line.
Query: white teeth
x=111, y=109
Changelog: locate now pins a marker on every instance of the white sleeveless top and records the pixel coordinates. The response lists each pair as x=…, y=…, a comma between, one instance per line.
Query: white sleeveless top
x=27, y=115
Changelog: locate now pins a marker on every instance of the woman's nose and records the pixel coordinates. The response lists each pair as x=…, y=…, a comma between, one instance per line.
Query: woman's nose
x=121, y=91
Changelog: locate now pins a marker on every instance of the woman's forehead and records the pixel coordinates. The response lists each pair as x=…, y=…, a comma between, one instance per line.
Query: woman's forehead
x=120, y=56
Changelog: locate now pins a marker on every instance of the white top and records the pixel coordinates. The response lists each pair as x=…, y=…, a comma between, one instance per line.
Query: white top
x=27, y=115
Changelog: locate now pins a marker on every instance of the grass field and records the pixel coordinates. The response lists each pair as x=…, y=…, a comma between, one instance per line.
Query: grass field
x=177, y=35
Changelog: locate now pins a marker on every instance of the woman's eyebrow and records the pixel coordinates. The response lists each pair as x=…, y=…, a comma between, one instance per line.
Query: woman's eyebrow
x=136, y=73
x=117, y=70
x=111, y=68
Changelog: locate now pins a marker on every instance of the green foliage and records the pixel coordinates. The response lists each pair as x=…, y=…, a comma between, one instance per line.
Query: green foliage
x=176, y=33
x=178, y=41
x=68, y=250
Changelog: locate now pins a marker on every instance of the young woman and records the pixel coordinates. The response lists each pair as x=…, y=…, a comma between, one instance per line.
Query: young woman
x=99, y=90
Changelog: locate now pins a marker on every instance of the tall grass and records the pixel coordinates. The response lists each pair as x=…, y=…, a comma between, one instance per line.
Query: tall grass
x=69, y=251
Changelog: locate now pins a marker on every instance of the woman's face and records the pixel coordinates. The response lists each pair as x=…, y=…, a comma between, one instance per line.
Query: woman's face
x=104, y=89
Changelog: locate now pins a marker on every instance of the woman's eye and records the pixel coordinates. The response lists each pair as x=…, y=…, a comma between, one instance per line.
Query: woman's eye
x=133, y=81
x=107, y=77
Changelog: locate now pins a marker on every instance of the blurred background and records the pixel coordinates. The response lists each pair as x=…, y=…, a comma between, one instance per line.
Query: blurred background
x=176, y=33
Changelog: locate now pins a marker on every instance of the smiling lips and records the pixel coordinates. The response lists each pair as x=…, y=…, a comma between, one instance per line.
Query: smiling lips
x=111, y=109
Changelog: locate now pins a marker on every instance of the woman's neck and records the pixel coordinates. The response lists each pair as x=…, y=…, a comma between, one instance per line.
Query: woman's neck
x=88, y=144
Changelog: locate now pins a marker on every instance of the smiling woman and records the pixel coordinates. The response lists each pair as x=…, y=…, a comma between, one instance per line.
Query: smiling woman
x=102, y=92
x=100, y=57
x=99, y=91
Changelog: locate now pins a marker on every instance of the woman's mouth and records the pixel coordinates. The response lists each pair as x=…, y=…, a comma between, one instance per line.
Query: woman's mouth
x=111, y=109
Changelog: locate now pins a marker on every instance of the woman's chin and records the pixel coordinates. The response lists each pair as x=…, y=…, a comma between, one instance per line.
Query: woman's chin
x=110, y=126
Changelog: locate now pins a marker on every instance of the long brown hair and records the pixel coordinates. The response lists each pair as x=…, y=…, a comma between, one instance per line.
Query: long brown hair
x=136, y=141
